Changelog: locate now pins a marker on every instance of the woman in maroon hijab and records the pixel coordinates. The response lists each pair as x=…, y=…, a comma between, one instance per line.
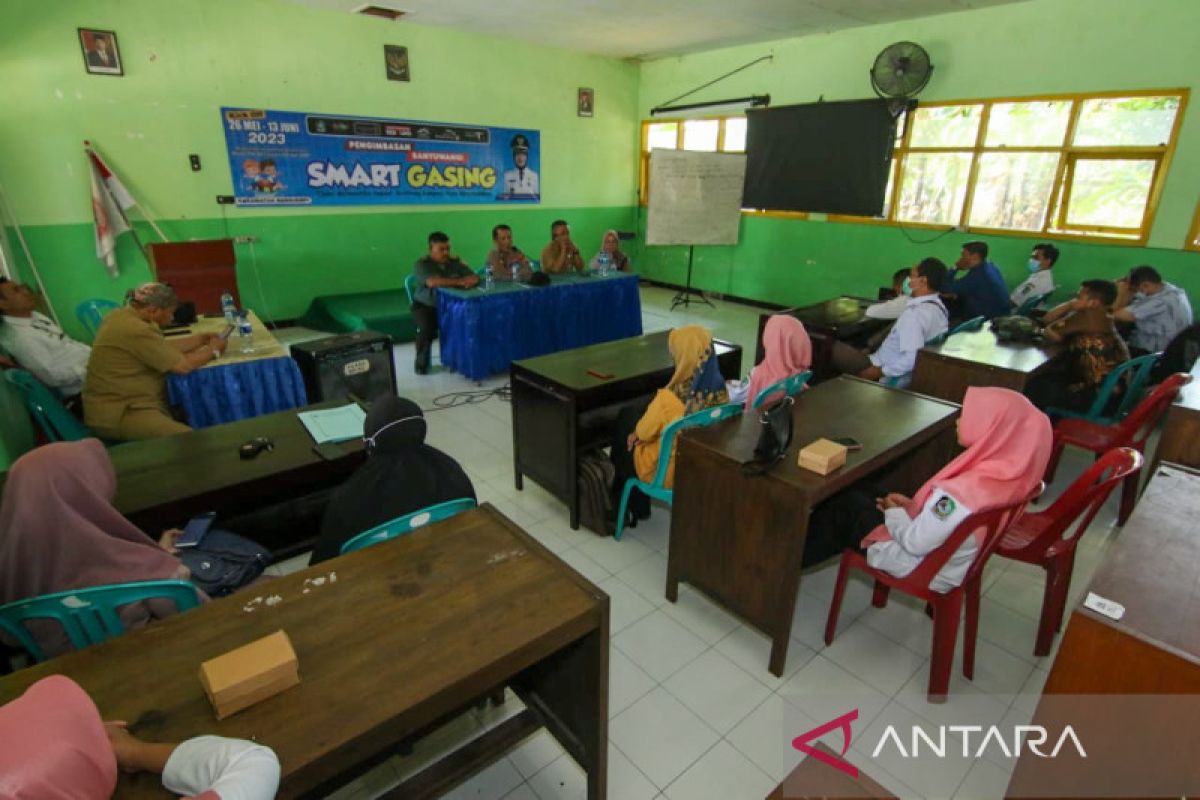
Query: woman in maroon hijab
x=60, y=531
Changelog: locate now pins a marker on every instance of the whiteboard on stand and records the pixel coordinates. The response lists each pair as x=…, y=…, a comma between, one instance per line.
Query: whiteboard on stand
x=695, y=198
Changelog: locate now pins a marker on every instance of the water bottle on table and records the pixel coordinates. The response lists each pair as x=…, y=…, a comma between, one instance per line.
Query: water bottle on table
x=229, y=308
x=604, y=262
x=487, y=278
x=245, y=332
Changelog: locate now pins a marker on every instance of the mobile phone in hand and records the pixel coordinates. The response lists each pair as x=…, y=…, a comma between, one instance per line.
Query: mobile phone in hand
x=194, y=531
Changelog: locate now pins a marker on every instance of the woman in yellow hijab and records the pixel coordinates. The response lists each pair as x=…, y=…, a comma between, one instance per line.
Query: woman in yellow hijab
x=696, y=385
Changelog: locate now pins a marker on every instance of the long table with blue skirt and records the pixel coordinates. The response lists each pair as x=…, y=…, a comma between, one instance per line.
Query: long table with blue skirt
x=483, y=331
x=239, y=385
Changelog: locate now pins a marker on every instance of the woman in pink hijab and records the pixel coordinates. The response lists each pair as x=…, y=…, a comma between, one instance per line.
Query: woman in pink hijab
x=786, y=351
x=1007, y=443
x=56, y=747
x=60, y=531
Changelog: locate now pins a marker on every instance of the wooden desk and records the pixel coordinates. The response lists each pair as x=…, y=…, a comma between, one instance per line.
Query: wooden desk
x=1145, y=662
x=976, y=359
x=815, y=780
x=411, y=630
x=1179, y=442
x=840, y=319
x=740, y=539
x=164, y=482
x=554, y=399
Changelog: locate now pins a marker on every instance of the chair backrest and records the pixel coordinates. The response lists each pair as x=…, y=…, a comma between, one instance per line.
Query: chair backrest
x=1129, y=372
x=1026, y=308
x=708, y=416
x=1136, y=428
x=1137, y=383
x=58, y=424
x=91, y=312
x=1083, y=498
x=790, y=386
x=407, y=523
x=972, y=324
x=410, y=283
x=89, y=616
x=995, y=522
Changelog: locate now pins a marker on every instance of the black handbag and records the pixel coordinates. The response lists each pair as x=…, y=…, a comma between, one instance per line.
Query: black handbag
x=224, y=562
x=774, y=437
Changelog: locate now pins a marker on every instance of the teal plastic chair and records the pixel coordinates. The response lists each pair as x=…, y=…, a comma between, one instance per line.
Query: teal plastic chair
x=58, y=424
x=91, y=312
x=790, y=386
x=656, y=488
x=89, y=616
x=973, y=324
x=1026, y=308
x=408, y=523
x=1136, y=371
x=410, y=283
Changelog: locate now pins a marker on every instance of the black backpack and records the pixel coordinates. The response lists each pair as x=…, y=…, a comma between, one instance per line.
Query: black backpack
x=224, y=562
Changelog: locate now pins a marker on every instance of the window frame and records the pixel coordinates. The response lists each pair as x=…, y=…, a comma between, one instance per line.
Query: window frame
x=1193, y=238
x=1058, y=202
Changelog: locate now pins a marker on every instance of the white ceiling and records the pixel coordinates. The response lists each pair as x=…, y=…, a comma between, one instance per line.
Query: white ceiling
x=647, y=29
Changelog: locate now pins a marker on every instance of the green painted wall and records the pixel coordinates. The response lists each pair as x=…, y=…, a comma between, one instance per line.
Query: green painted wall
x=1038, y=47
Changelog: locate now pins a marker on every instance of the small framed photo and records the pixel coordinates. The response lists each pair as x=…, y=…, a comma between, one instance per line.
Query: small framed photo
x=100, y=53
x=587, y=100
x=396, y=60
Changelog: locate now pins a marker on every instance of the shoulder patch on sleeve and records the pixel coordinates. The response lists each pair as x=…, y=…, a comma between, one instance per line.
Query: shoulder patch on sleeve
x=945, y=507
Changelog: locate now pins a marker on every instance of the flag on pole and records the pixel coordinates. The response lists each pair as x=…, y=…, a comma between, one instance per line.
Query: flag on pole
x=110, y=199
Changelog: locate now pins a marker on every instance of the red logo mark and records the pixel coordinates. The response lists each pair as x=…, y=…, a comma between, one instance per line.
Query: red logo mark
x=801, y=742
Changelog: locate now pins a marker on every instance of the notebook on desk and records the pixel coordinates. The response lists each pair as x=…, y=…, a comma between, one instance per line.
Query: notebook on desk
x=339, y=424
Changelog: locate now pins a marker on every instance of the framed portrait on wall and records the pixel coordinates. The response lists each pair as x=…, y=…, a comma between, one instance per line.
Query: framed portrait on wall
x=396, y=61
x=587, y=99
x=100, y=53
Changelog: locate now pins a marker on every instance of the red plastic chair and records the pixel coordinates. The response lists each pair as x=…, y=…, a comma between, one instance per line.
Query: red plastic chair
x=947, y=606
x=1039, y=538
x=1133, y=431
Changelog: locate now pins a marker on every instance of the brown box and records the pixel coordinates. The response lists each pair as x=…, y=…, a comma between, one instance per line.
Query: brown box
x=242, y=677
x=822, y=456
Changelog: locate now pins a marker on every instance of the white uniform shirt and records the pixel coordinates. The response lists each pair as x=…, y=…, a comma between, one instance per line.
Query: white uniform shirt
x=923, y=318
x=913, y=539
x=233, y=769
x=888, y=309
x=41, y=347
x=1040, y=282
x=521, y=182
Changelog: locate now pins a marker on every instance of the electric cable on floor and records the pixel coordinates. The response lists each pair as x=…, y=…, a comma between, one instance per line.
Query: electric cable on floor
x=455, y=399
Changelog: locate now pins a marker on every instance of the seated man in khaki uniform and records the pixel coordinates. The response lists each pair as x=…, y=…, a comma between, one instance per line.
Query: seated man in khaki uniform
x=124, y=395
x=561, y=255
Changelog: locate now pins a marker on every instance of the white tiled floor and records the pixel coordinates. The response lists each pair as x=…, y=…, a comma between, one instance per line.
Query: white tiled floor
x=694, y=712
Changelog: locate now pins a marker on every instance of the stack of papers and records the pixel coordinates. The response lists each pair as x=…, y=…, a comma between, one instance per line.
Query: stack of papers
x=339, y=424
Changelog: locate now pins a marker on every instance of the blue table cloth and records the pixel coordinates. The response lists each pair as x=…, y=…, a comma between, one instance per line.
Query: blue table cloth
x=482, y=332
x=229, y=392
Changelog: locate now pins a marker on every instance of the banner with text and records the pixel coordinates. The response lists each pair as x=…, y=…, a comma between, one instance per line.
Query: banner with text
x=286, y=158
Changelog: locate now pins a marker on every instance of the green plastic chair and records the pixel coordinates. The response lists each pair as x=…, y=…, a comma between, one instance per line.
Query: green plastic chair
x=89, y=616
x=790, y=386
x=973, y=324
x=1026, y=308
x=410, y=283
x=656, y=488
x=58, y=424
x=1138, y=371
x=408, y=523
x=90, y=313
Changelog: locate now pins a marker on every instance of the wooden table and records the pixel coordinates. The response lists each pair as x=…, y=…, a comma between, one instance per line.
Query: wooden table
x=560, y=410
x=1179, y=442
x=1133, y=673
x=740, y=539
x=164, y=482
x=815, y=780
x=412, y=630
x=839, y=319
x=976, y=359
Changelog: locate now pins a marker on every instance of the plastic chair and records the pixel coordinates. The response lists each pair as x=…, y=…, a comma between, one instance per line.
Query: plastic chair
x=1140, y=367
x=57, y=424
x=790, y=386
x=89, y=616
x=1026, y=308
x=973, y=324
x=91, y=312
x=1042, y=538
x=657, y=488
x=408, y=523
x=947, y=606
x=410, y=283
x=1133, y=431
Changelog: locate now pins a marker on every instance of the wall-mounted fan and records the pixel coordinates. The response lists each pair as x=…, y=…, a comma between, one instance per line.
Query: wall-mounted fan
x=900, y=72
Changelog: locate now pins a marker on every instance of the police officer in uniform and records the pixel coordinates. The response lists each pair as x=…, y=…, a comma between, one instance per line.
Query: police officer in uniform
x=522, y=181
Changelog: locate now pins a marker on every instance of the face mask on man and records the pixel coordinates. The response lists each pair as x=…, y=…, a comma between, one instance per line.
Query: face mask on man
x=1034, y=265
x=906, y=288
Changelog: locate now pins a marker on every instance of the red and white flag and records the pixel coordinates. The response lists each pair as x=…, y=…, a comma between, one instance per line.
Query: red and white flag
x=110, y=199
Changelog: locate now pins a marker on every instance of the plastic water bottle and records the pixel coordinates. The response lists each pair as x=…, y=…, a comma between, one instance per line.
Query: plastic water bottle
x=604, y=262
x=488, y=281
x=229, y=308
x=245, y=331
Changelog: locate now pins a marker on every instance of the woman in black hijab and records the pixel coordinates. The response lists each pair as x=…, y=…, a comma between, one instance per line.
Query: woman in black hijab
x=402, y=475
